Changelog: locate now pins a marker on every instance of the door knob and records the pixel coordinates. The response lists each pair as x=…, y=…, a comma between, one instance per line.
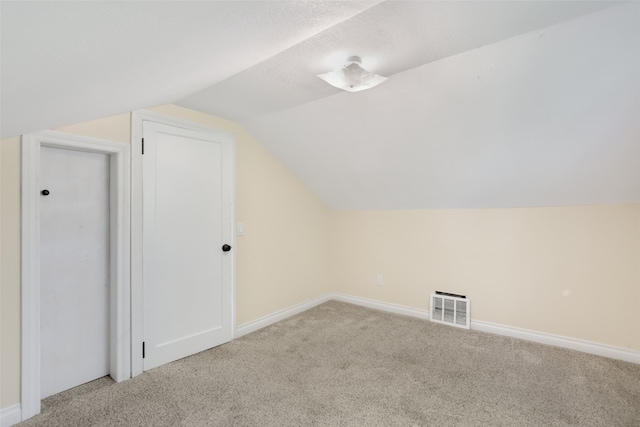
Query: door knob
x=45, y=192
x=226, y=248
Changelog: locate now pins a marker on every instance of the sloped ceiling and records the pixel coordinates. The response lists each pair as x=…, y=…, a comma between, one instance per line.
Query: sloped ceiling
x=489, y=104
x=68, y=61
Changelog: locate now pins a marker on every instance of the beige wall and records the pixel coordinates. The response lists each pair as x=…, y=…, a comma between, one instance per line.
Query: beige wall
x=554, y=270
x=281, y=260
x=9, y=272
x=114, y=128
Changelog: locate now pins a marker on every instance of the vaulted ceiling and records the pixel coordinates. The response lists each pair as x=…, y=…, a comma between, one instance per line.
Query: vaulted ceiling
x=488, y=104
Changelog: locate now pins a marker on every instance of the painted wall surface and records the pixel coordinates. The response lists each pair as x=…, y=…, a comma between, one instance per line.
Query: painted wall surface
x=113, y=128
x=9, y=272
x=571, y=271
x=280, y=261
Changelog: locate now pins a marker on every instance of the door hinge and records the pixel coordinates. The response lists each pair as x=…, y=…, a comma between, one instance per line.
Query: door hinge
x=143, y=349
x=142, y=145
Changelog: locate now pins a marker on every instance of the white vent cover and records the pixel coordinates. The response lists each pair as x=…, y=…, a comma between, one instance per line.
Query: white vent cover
x=451, y=309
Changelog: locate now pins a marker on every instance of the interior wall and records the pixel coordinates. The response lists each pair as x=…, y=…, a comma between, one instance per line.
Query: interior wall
x=571, y=271
x=280, y=261
x=9, y=272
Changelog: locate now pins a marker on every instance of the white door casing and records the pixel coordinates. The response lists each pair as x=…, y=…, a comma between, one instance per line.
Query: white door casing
x=119, y=256
x=182, y=214
x=74, y=268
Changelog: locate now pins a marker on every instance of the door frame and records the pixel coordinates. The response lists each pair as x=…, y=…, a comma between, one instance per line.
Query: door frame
x=119, y=234
x=137, y=295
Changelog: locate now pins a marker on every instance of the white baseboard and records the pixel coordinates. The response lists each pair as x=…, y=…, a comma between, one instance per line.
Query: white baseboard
x=254, y=325
x=584, y=346
x=10, y=415
x=382, y=306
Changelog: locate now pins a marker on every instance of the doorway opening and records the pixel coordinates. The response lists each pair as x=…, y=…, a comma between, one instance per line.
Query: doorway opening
x=118, y=254
x=183, y=198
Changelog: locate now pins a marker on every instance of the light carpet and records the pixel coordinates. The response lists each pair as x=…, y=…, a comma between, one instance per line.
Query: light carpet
x=344, y=365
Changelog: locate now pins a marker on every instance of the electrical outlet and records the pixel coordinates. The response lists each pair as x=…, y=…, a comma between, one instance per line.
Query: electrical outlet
x=379, y=282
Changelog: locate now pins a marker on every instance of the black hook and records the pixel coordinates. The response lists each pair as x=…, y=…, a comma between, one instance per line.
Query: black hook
x=45, y=192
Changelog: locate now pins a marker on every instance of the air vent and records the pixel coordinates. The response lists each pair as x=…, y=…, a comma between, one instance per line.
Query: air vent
x=451, y=309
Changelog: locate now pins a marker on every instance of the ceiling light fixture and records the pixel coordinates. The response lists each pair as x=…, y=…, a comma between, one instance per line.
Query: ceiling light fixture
x=352, y=77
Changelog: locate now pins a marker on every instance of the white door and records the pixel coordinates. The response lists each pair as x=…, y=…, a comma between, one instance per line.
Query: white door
x=187, y=206
x=74, y=268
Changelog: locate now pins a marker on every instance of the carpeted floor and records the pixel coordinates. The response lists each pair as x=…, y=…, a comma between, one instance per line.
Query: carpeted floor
x=344, y=365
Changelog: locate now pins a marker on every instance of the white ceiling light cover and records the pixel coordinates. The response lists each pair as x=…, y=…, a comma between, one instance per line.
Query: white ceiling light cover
x=352, y=77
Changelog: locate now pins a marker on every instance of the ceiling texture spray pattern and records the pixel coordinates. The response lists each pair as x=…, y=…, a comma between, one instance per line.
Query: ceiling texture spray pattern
x=488, y=104
x=67, y=61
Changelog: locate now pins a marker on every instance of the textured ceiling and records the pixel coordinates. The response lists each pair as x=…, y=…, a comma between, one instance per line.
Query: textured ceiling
x=63, y=62
x=489, y=104
x=390, y=37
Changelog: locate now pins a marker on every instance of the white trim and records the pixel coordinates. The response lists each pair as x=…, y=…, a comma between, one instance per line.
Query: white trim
x=382, y=306
x=10, y=415
x=584, y=346
x=137, y=297
x=137, y=313
x=120, y=289
x=270, y=319
x=30, y=354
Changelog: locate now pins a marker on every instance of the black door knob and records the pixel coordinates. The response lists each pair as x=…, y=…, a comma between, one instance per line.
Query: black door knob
x=226, y=248
x=45, y=192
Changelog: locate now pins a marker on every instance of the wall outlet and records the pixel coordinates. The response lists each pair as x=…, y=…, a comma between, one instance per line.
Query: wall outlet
x=379, y=282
